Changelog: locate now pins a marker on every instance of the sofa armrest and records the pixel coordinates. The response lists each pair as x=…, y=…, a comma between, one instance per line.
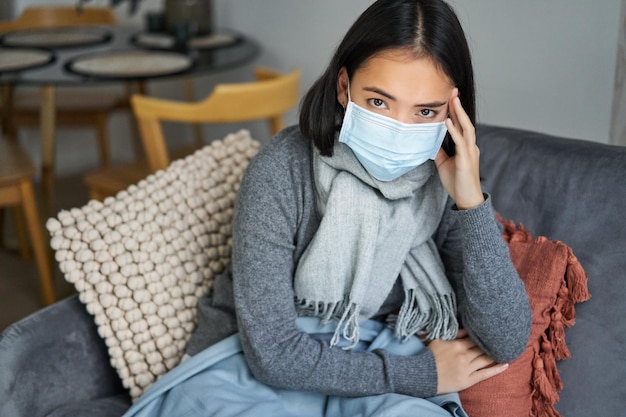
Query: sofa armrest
x=52, y=358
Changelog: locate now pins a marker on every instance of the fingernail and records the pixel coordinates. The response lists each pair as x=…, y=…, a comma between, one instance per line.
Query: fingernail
x=504, y=367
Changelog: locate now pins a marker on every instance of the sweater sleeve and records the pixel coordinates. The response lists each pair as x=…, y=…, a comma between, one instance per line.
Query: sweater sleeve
x=269, y=227
x=491, y=298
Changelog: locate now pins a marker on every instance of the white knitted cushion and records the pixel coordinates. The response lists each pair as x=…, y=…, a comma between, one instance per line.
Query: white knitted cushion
x=140, y=260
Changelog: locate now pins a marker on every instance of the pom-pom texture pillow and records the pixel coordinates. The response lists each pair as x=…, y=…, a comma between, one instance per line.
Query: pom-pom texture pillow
x=141, y=260
x=554, y=281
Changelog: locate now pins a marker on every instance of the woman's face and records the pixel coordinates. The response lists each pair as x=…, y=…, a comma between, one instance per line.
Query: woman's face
x=396, y=84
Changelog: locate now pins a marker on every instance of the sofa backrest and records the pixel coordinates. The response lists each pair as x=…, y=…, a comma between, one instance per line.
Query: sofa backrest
x=573, y=191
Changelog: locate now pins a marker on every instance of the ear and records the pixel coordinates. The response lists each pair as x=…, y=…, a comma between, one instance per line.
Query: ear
x=342, y=87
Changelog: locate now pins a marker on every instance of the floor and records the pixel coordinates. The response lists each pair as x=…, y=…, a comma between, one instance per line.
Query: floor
x=19, y=279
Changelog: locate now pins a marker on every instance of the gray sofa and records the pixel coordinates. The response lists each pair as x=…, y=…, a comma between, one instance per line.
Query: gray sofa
x=53, y=363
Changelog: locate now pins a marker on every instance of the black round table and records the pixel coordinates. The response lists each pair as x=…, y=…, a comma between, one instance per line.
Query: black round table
x=96, y=55
x=228, y=50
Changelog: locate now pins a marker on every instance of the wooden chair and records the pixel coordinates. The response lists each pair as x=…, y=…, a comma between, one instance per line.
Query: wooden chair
x=75, y=107
x=269, y=97
x=16, y=190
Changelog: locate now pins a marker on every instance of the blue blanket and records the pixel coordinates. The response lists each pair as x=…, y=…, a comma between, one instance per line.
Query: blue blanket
x=217, y=383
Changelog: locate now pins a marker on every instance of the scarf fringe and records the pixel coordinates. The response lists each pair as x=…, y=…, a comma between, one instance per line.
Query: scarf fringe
x=324, y=311
x=348, y=327
x=438, y=322
x=345, y=311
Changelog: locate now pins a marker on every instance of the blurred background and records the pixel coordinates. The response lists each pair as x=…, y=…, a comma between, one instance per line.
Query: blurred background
x=544, y=65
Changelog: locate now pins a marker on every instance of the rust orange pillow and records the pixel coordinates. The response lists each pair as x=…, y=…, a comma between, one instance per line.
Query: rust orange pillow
x=554, y=281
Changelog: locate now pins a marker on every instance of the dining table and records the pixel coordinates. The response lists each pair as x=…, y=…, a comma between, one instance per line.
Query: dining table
x=99, y=55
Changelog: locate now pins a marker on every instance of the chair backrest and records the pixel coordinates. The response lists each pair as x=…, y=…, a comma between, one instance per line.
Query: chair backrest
x=38, y=17
x=269, y=97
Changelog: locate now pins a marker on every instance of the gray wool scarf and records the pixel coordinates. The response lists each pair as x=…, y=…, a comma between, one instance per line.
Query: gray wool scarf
x=371, y=232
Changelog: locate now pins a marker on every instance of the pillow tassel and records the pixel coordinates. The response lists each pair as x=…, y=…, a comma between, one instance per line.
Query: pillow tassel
x=576, y=278
x=541, y=409
x=549, y=363
x=544, y=394
x=562, y=312
x=566, y=305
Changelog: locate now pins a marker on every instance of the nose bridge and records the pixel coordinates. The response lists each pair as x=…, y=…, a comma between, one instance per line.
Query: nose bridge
x=403, y=114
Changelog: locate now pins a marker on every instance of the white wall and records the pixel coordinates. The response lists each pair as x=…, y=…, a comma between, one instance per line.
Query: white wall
x=544, y=65
x=618, y=119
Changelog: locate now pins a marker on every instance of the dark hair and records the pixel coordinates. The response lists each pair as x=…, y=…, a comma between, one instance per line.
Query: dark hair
x=426, y=28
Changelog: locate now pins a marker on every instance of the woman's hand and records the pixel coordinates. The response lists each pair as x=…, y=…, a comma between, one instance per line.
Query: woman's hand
x=459, y=173
x=461, y=364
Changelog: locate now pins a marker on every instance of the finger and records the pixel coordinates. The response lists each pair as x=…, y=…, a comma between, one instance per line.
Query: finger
x=463, y=120
x=451, y=107
x=462, y=132
x=457, y=345
x=462, y=333
x=482, y=361
x=455, y=133
x=489, y=372
x=459, y=112
x=467, y=344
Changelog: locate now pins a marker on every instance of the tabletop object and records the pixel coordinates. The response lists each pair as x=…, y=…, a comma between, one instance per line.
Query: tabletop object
x=16, y=59
x=131, y=63
x=168, y=41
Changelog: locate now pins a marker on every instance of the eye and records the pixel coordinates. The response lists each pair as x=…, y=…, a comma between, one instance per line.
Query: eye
x=377, y=103
x=427, y=113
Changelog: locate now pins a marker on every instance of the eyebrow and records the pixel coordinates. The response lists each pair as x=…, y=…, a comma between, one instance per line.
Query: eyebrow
x=433, y=104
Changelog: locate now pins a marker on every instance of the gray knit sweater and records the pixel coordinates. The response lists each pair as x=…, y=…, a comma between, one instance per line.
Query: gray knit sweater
x=275, y=218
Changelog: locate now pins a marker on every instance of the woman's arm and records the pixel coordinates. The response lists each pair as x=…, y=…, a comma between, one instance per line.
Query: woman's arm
x=274, y=219
x=492, y=301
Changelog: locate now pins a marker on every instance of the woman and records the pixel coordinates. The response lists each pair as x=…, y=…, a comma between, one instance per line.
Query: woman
x=364, y=231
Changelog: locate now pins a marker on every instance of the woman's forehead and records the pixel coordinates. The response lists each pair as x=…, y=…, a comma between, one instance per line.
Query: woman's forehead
x=402, y=72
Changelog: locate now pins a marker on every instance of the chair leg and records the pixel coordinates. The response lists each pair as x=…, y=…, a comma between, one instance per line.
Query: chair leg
x=8, y=128
x=42, y=254
x=102, y=140
x=22, y=238
x=20, y=231
x=2, y=217
x=47, y=117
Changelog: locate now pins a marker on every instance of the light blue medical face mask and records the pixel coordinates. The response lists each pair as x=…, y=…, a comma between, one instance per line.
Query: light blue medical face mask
x=386, y=147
